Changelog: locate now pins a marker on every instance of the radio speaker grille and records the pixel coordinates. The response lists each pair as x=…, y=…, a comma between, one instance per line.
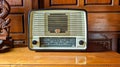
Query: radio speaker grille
x=57, y=21
x=72, y=23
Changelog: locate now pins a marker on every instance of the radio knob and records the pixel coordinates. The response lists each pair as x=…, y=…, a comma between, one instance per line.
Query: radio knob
x=34, y=42
x=81, y=42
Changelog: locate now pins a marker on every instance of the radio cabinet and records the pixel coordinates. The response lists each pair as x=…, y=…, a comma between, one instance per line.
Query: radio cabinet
x=58, y=29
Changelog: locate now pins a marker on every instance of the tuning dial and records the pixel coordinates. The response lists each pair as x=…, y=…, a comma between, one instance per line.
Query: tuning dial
x=34, y=42
x=81, y=42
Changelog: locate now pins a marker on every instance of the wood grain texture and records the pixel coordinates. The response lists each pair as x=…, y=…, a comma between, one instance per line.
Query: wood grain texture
x=89, y=5
x=69, y=66
x=98, y=2
x=16, y=26
x=15, y=2
x=62, y=2
x=101, y=38
x=103, y=21
x=19, y=22
x=35, y=4
x=4, y=65
x=24, y=57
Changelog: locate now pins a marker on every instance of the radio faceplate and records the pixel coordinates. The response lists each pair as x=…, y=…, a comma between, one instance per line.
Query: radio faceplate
x=57, y=30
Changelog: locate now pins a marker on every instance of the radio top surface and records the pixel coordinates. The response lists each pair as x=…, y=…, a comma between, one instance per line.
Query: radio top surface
x=57, y=30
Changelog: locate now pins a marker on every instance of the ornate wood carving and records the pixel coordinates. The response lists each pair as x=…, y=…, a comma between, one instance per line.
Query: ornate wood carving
x=4, y=10
x=4, y=28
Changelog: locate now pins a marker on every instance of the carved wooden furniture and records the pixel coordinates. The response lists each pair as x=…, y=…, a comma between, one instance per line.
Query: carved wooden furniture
x=5, y=40
x=23, y=57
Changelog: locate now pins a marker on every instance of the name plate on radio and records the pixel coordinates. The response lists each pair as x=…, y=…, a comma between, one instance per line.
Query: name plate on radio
x=57, y=29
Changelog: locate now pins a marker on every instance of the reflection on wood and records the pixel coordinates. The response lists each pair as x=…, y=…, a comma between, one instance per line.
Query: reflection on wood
x=26, y=57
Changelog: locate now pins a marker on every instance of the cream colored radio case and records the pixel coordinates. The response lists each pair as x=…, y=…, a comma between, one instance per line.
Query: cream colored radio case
x=57, y=29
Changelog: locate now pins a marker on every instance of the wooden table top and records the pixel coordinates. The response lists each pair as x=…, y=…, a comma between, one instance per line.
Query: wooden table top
x=24, y=56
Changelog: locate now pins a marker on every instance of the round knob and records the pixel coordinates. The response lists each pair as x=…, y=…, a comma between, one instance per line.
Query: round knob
x=34, y=42
x=81, y=42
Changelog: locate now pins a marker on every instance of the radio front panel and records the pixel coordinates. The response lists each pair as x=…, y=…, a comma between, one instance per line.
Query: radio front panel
x=58, y=30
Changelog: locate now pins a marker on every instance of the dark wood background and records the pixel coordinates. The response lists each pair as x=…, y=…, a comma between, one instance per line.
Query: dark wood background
x=103, y=20
x=19, y=23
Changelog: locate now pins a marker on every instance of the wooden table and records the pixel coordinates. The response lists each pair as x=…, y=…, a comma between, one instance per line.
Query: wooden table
x=23, y=57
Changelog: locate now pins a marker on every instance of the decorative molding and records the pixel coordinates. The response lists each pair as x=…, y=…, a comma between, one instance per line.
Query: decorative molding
x=20, y=23
x=96, y=2
x=15, y=3
x=99, y=45
x=108, y=38
x=19, y=43
x=52, y=4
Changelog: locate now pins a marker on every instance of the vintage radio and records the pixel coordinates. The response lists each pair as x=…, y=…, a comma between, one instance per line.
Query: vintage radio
x=57, y=29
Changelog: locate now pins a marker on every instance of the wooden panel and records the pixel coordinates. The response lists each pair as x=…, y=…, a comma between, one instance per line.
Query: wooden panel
x=63, y=2
x=98, y=2
x=100, y=38
x=15, y=2
x=89, y=5
x=17, y=23
x=35, y=4
x=99, y=45
x=104, y=21
x=102, y=5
